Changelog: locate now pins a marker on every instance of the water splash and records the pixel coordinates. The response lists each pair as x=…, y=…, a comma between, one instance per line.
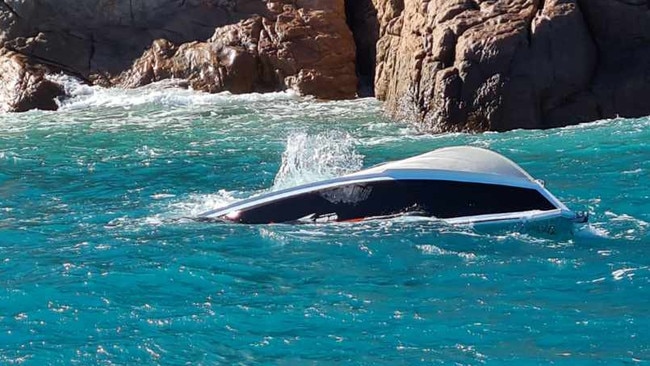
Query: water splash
x=308, y=158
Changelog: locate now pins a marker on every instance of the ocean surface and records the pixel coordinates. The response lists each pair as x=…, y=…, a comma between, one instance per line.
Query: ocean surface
x=102, y=263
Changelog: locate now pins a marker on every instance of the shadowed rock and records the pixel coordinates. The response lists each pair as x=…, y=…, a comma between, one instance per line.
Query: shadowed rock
x=362, y=19
x=24, y=86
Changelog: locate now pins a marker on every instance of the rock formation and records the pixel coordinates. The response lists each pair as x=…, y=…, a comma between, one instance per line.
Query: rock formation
x=502, y=64
x=236, y=45
x=447, y=65
x=308, y=49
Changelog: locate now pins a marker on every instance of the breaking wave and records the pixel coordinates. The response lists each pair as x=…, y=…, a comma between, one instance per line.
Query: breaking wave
x=170, y=92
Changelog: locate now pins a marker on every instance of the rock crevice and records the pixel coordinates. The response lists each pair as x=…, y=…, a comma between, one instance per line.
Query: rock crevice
x=361, y=16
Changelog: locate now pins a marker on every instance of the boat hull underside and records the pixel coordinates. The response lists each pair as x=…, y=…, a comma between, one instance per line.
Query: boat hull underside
x=434, y=198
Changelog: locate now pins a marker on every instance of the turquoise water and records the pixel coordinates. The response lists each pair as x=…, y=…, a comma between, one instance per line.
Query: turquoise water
x=100, y=262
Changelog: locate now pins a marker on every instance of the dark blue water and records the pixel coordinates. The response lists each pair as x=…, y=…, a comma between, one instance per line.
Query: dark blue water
x=100, y=262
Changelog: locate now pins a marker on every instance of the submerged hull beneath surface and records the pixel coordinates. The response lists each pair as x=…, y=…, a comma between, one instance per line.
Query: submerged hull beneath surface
x=458, y=185
x=545, y=222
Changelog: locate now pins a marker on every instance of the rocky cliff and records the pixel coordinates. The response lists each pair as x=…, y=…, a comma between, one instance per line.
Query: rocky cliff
x=236, y=45
x=505, y=64
x=448, y=65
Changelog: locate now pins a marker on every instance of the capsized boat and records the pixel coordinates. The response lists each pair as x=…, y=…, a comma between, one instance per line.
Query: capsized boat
x=459, y=185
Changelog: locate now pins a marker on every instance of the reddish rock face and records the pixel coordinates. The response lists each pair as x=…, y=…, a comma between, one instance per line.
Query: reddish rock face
x=311, y=50
x=23, y=86
x=217, y=45
x=307, y=48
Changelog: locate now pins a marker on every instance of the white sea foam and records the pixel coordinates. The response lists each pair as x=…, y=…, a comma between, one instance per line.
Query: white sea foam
x=592, y=231
x=430, y=249
x=626, y=218
x=624, y=226
x=199, y=203
x=160, y=196
x=166, y=92
x=629, y=273
x=187, y=207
